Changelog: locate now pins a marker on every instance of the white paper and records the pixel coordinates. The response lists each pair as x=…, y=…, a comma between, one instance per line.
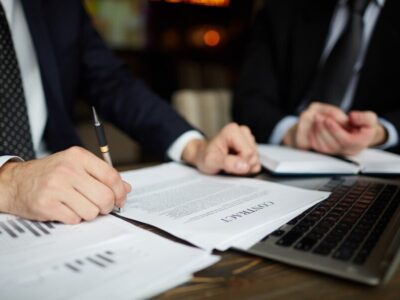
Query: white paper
x=377, y=161
x=26, y=247
x=105, y=259
x=285, y=160
x=209, y=211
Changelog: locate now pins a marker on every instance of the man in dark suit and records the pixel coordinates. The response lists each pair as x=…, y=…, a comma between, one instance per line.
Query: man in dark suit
x=49, y=56
x=323, y=75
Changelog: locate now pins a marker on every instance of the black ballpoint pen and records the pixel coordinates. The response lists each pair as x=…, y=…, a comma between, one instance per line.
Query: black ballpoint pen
x=104, y=149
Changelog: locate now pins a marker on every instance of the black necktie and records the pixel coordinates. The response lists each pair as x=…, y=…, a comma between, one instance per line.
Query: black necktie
x=334, y=76
x=15, y=134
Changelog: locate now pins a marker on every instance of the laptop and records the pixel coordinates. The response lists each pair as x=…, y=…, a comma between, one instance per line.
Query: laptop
x=354, y=234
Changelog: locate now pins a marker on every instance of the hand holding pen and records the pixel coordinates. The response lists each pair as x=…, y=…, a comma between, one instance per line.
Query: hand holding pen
x=104, y=149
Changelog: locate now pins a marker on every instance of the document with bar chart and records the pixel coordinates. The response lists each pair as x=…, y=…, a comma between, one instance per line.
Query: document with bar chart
x=23, y=241
x=104, y=259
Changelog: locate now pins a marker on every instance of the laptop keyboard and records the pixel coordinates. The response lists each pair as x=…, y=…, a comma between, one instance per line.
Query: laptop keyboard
x=347, y=225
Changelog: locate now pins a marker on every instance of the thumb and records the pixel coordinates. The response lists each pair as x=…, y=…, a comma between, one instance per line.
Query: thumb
x=330, y=111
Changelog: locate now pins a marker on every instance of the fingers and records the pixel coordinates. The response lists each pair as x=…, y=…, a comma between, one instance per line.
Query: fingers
x=233, y=150
x=361, y=119
x=71, y=208
x=322, y=139
x=69, y=186
x=235, y=165
x=254, y=160
x=330, y=111
x=351, y=143
x=128, y=187
x=98, y=194
x=304, y=126
x=369, y=127
x=236, y=139
x=61, y=213
x=213, y=161
x=255, y=165
x=307, y=121
x=81, y=206
x=340, y=134
x=242, y=142
x=102, y=172
x=248, y=136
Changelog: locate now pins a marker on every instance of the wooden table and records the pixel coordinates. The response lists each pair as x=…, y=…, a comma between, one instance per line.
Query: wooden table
x=242, y=276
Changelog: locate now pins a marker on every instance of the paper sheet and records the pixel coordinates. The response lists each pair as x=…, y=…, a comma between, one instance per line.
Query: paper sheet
x=377, y=161
x=209, y=211
x=23, y=241
x=286, y=160
x=104, y=259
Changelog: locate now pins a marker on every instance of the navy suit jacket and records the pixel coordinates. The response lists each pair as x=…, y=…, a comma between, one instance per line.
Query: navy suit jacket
x=74, y=62
x=281, y=64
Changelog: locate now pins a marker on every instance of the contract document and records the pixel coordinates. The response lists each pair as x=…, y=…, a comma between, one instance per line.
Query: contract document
x=212, y=212
x=104, y=259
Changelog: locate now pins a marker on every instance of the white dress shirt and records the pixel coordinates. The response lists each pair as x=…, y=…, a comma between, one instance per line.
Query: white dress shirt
x=338, y=24
x=33, y=87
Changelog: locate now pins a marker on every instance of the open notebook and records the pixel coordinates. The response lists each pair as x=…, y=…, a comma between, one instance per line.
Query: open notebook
x=284, y=160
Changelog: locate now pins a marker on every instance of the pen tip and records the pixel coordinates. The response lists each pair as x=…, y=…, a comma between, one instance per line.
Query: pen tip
x=96, y=119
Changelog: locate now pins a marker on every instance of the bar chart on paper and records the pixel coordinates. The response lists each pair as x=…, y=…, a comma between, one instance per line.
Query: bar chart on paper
x=99, y=260
x=22, y=241
x=130, y=262
x=72, y=274
x=19, y=227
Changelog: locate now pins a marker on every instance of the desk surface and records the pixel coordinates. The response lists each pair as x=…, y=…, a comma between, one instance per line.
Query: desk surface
x=242, y=276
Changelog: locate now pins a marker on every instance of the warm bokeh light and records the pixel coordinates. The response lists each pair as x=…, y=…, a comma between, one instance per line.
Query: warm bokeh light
x=212, y=38
x=210, y=2
x=206, y=36
x=220, y=3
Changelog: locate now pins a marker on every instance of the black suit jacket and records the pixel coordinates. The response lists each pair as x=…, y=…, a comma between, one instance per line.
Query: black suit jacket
x=287, y=43
x=74, y=62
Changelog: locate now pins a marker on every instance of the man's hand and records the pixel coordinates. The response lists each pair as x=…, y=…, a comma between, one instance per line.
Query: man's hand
x=299, y=135
x=233, y=150
x=69, y=186
x=362, y=131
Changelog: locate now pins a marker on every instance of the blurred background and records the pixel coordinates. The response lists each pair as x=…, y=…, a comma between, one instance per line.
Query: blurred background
x=188, y=51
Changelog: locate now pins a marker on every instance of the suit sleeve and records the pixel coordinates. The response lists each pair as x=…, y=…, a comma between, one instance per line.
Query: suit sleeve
x=392, y=125
x=124, y=100
x=256, y=102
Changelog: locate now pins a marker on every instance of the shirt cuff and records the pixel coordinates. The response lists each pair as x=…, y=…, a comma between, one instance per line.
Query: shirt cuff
x=281, y=129
x=175, y=151
x=393, y=136
x=6, y=158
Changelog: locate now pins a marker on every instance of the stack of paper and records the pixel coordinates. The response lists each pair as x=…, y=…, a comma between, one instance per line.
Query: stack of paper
x=213, y=212
x=104, y=259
